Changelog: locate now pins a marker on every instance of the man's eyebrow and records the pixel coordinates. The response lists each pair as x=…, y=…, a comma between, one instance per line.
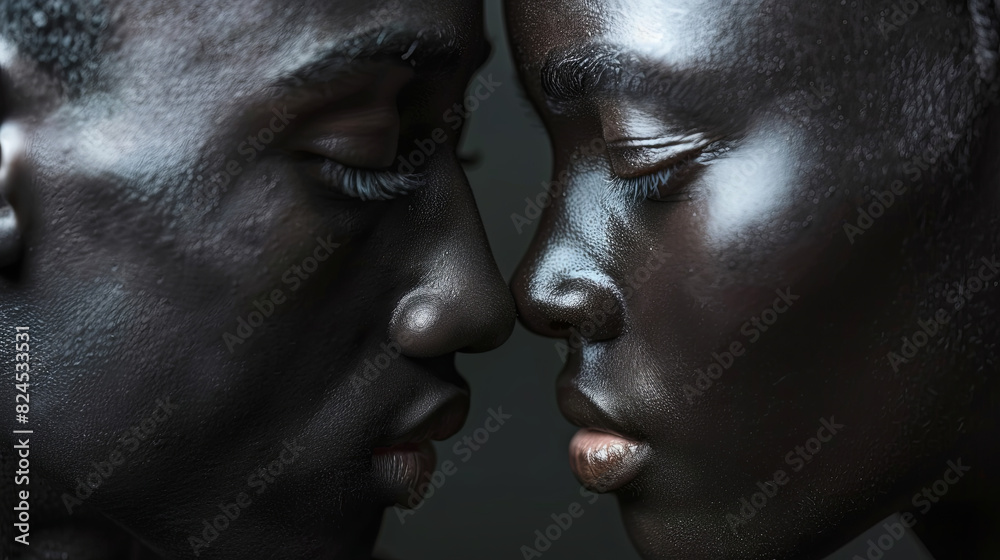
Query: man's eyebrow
x=430, y=50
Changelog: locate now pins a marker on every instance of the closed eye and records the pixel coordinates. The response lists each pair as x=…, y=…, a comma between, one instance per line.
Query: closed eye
x=375, y=185
x=654, y=186
x=668, y=181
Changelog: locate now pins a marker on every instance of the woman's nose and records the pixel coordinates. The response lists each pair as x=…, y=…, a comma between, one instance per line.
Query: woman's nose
x=560, y=293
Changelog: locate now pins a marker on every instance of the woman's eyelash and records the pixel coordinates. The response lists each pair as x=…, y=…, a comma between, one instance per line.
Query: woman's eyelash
x=657, y=185
x=654, y=186
x=644, y=186
x=369, y=184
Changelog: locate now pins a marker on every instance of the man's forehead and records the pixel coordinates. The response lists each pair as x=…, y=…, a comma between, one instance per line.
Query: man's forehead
x=273, y=25
x=176, y=44
x=266, y=14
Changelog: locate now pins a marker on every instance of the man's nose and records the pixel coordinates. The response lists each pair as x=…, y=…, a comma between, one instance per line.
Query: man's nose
x=461, y=303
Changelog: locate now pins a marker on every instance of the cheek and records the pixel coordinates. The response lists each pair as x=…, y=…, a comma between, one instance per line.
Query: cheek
x=761, y=221
x=770, y=212
x=747, y=195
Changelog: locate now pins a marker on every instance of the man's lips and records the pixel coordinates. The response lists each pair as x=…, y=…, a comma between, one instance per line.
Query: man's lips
x=401, y=468
x=603, y=462
x=405, y=460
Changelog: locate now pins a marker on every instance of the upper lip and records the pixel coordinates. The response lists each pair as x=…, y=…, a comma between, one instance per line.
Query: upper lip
x=435, y=418
x=578, y=406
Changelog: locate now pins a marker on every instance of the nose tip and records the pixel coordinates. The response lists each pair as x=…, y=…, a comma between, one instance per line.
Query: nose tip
x=561, y=306
x=434, y=323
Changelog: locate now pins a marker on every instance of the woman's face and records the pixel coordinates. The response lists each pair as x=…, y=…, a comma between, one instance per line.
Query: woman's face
x=735, y=323
x=222, y=248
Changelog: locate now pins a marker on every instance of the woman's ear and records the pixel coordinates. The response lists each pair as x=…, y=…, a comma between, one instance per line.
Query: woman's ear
x=10, y=235
x=986, y=26
x=10, y=226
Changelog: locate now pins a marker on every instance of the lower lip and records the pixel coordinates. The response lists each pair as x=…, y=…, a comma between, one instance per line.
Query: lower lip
x=401, y=468
x=605, y=462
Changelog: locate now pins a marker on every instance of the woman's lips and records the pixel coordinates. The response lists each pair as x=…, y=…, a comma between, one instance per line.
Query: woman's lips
x=401, y=468
x=604, y=462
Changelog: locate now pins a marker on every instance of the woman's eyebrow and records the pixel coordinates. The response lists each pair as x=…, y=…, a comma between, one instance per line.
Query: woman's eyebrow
x=428, y=50
x=579, y=74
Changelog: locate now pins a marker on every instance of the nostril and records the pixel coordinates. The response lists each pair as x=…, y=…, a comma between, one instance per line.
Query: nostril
x=560, y=326
x=586, y=307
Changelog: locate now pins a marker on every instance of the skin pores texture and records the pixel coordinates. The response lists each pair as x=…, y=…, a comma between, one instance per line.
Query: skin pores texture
x=727, y=326
x=140, y=258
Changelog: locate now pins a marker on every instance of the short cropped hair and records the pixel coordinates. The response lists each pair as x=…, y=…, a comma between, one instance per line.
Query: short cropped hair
x=985, y=23
x=65, y=37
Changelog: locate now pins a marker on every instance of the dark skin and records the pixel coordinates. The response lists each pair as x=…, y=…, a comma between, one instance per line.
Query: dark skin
x=130, y=267
x=764, y=126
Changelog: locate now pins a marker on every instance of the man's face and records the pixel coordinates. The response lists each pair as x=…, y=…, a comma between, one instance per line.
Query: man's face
x=729, y=334
x=228, y=269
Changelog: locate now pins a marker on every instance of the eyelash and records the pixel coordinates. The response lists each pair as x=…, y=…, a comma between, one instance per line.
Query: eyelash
x=649, y=185
x=646, y=186
x=369, y=184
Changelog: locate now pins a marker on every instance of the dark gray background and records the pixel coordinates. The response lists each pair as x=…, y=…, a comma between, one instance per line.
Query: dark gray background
x=510, y=487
